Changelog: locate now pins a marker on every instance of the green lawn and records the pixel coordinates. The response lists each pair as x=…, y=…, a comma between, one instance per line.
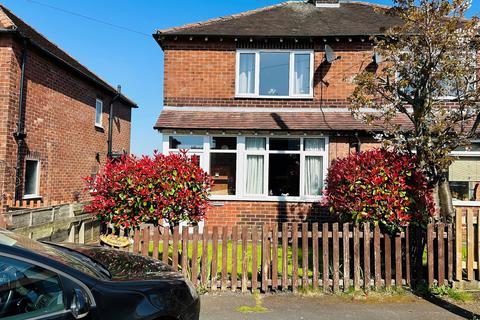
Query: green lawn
x=239, y=258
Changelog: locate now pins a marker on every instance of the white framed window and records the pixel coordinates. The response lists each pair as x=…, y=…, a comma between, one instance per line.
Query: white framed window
x=276, y=168
x=32, y=179
x=274, y=73
x=464, y=175
x=98, y=113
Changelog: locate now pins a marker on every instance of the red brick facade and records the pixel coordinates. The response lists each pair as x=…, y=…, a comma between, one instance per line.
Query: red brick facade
x=59, y=123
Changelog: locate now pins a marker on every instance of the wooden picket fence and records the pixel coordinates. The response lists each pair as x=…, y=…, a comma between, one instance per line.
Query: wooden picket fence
x=467, y=245
x=330, y=256
x=10, y=203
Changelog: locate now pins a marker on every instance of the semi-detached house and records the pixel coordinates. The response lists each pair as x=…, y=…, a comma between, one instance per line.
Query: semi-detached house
x=55, y=116
x=256, y=98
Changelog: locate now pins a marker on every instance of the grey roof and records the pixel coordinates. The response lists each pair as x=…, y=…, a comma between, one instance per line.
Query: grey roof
x=296, y=19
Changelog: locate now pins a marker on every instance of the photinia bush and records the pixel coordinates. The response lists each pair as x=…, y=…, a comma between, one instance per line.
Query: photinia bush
x=381, y=187
x=131, y=190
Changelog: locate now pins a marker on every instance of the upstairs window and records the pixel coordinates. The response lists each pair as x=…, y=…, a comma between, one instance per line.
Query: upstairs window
x=274, y=74
x=98, y=112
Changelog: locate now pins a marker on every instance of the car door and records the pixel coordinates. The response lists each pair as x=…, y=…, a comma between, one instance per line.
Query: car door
x=31, y=291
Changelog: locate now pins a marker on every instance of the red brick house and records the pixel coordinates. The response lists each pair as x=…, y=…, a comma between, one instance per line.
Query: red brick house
x=54, y=125
x=257, y=98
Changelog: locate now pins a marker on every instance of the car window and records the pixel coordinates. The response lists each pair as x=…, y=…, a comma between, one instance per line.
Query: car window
x=28, y=291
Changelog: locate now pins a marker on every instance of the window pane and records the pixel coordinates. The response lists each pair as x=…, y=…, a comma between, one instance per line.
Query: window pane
x=302, y=74
x=274, y=73
x=313, y=176
x=464, y=177
x=31, y=177
x=285, y=144
x=186, y=142
x=255, y=143
x=284, y=175
x=246, y=77
x=314, y=144
x=98, y=112
x=223, y=168
x=475, y=146
x=255, y=174
x=36, y=292
x=224, y=143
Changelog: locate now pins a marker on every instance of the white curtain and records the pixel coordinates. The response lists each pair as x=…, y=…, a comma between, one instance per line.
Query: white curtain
x=246, y=79
x=313, y=175
x=255, y=143
x=302, y=74
x=312, y=144
x=254, y=174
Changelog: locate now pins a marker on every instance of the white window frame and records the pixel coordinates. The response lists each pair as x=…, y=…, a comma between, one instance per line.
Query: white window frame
x=291, y=86
x=241, y=170
x=36, y=194
x=99, y=102
x=464, y=154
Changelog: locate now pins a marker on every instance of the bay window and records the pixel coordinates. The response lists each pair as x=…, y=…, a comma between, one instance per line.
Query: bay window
x=257, y=167
x=274, y=73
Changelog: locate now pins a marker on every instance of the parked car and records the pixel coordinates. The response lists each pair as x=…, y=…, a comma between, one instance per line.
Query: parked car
x=50, y=281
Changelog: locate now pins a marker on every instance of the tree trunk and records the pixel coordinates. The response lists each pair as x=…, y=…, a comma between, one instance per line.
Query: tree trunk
x=443, y=200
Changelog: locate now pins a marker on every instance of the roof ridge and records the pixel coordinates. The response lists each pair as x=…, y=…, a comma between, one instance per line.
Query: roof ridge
x=225, y=18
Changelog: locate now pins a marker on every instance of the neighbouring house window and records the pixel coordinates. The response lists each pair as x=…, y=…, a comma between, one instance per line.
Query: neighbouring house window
x=464, y=173
x=98, y=112
x=256, y=167
x=274, y=73
x=32, y=177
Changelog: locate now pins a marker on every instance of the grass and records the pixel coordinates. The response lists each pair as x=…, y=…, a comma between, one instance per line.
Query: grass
x=258, y=308
x=454, y=294
x=239, y=257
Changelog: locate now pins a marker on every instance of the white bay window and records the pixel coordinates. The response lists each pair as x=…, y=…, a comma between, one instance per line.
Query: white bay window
x=259, y=168
x=274, y=73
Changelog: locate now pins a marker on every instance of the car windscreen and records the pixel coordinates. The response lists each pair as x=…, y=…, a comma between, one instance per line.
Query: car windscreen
x=50, y=251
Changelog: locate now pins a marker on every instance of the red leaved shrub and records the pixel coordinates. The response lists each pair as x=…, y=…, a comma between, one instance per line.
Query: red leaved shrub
x=381, y=187
x=131, y=190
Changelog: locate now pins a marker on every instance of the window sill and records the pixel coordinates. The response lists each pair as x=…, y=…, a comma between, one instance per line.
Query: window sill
x=266, y=199
x=466, y=203
x=309, y=97
x=98, y=126
x=32, y=197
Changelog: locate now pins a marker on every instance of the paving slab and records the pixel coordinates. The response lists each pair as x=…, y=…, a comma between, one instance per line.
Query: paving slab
x=295, y=307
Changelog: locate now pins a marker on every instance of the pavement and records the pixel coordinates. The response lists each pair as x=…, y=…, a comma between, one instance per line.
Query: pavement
x=228, y=306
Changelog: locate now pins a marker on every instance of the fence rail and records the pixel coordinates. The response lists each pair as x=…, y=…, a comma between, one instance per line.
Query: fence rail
x=328, y=256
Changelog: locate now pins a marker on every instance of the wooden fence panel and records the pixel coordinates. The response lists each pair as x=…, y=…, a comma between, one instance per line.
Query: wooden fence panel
x=470, y=245
x=371, y=260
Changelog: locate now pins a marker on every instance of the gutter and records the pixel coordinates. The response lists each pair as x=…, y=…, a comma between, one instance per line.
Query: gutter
x=20, y=134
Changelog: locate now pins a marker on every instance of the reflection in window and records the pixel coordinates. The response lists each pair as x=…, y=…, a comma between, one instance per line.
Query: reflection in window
x=32, y=291
x=274, y=73
x=223, y=169
x=186, y=142
x=464, y=177
x=224, y=143
x=31, y=177
x=284, y=175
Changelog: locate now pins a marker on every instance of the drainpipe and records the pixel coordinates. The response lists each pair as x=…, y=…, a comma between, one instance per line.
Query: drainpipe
x=20, y=134
x=110, y=122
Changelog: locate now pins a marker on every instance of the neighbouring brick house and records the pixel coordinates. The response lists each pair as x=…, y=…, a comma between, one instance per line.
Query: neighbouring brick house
x=54, y=124
x=255, y=96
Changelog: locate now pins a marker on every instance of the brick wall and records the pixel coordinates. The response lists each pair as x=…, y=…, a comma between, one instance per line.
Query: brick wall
x=203, y=74
x=59, y=123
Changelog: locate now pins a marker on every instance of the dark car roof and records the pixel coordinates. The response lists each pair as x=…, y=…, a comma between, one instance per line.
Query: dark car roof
x=297, y=19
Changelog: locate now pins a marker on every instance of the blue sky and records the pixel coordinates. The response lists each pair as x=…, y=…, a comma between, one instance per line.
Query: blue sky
x=120, y=57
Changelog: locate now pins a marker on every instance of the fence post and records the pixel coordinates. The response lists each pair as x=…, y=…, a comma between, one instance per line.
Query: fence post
x=470, y=245
x=81, y=233
x=458, y=245
x=430, y=262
